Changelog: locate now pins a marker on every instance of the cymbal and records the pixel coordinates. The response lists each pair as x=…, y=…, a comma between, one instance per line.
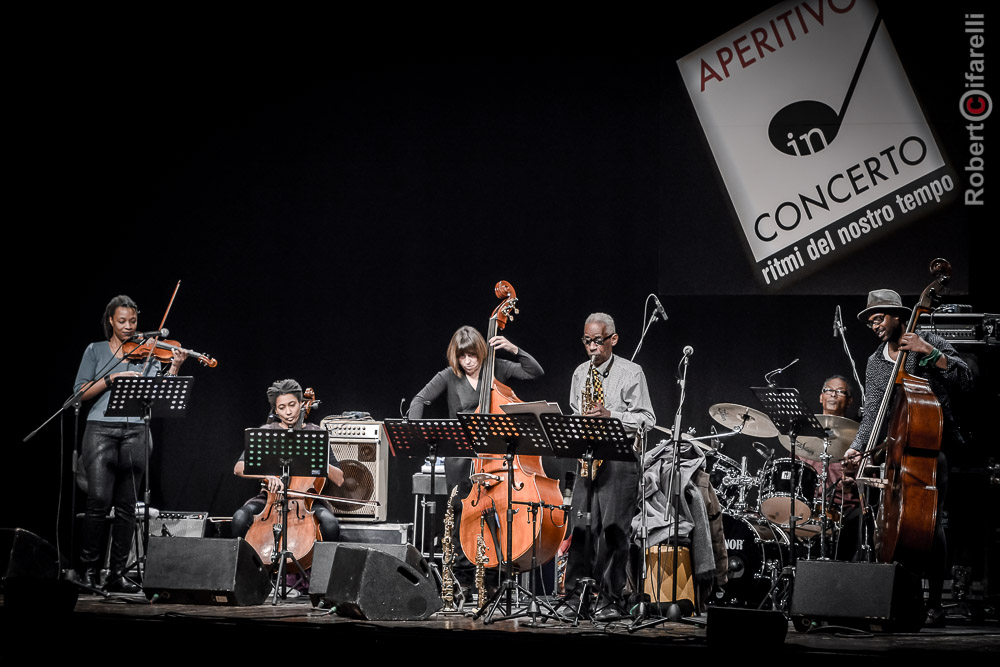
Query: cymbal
x=731, y=415
x=810, y=447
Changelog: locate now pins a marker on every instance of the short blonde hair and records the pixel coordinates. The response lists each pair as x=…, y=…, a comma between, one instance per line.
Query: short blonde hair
x=466, y=339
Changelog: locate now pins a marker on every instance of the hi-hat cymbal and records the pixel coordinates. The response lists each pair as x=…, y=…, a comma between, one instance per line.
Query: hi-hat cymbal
x=754, y=422
x=842, y=432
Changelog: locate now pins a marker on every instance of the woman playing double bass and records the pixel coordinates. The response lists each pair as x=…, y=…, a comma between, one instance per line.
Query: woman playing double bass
x=460, y=382
x=930, y=357
x=285, y=397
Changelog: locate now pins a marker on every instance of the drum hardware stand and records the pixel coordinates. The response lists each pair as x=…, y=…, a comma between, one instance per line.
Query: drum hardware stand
x=674, y=613
x=587, y=438
x=791, y=417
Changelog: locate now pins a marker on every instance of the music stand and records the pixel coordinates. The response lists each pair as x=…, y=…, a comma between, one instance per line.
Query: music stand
x=791, y=417
x=507, y=435
x=148, y=397
x=285, y=453
x=588, y=438
x=414, y=438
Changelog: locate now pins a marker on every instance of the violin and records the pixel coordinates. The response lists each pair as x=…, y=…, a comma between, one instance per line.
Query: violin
x=162, y=350
x=489, y=489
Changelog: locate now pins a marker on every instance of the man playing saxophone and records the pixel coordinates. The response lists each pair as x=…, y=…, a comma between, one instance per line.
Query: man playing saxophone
x=617, y=388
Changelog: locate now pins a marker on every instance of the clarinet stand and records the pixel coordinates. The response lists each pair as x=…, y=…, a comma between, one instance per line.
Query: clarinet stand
x=414, y=438
x=298, y=452
x=792, y=418
x=148, y=397
x=588, y=438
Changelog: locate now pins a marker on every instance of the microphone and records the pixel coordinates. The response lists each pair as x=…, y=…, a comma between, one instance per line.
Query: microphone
x=836, y=321
x=161, y=333
x=659, y=309
x=688, y=351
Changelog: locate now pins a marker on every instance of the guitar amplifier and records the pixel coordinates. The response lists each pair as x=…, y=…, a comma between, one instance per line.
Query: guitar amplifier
x=362, y=451
x=962, y=329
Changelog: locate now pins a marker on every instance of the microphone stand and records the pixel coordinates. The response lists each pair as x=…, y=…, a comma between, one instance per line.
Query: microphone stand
x=657, y=313
x=838, y=328
x=674, y=613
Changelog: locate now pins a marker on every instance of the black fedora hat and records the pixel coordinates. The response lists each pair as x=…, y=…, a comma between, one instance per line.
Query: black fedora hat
x=883, y=301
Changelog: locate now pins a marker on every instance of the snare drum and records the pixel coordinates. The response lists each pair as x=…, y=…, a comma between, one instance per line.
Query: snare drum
x=781, y=480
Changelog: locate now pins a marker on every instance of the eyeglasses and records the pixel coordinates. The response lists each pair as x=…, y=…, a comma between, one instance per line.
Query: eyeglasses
x=600, y=340
x=875, y=321
x=838, y=392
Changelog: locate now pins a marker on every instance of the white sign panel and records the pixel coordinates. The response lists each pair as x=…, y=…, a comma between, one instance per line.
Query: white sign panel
x=816, y=131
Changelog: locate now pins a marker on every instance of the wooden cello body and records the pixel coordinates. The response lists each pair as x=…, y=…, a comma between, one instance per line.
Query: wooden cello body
x=301, y=525
x=489, y=489
x=911, y=418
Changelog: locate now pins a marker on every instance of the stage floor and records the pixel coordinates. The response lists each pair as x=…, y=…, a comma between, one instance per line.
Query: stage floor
x=260, y=629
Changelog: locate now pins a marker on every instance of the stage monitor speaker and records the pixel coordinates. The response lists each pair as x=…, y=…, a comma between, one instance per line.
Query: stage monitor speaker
x=31, y=570
x=192, y=570
x=370, y=584
x=362, y=451
x=872, y=596
x=325, y=552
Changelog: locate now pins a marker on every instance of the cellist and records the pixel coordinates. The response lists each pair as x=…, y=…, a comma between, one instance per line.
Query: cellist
x=934, y=359
x=285, y=397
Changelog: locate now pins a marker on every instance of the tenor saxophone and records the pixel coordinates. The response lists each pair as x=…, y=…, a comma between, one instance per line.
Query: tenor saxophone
x=587, y=402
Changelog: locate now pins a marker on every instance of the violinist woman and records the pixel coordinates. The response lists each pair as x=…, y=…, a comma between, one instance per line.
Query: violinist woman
x=285, y=397
x=460, y=381
x=114, y=450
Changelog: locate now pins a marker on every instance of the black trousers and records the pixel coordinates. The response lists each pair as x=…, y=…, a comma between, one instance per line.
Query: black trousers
x=614, y=504
x=113, y=458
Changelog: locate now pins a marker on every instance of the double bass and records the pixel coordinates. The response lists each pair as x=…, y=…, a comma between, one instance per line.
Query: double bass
x=911, y=419
x=489, y=489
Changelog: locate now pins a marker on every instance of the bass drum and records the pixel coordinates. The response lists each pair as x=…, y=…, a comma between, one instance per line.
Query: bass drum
x=757, y=551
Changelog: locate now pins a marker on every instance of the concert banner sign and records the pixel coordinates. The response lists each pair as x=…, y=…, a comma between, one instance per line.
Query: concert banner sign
x=817, y=134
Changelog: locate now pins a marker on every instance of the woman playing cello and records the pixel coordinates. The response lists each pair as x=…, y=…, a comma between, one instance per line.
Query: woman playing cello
x=285, y=397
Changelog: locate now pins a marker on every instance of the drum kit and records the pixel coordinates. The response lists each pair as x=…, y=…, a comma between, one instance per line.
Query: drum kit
x=756, y=507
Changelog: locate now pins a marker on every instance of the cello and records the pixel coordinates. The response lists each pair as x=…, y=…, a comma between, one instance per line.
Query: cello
x=912, y=421
x=301, y=526
x=489, y=489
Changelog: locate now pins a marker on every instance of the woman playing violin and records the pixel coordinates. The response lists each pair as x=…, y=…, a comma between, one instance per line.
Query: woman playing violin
x=114, y=450
x=285, y=397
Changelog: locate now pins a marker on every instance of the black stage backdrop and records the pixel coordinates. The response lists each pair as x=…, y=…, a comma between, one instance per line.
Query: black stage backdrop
x=337, y=223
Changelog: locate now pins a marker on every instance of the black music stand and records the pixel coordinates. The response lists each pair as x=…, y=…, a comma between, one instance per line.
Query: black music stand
x=793, y=418
x=588, y=438
x=415, y=438
x=148, y=397
x=507, y=435
x=285, y=453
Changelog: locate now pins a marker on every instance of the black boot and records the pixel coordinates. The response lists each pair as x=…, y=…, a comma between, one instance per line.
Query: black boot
x=118, y=583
